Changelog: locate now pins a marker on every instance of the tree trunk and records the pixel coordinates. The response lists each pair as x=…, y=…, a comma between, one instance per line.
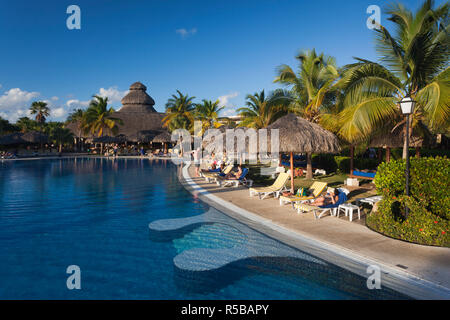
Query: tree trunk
x=309, y=174
x=101, y=148
x=352, y=155
x=60, y=147
x=417, y=152
x=292, y=172
x=388, y=154
x=404, y=140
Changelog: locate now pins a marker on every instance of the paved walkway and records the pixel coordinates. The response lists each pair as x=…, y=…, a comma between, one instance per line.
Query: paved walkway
x=431, y=264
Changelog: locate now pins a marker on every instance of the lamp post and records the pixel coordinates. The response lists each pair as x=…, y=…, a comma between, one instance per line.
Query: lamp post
x=407, y=106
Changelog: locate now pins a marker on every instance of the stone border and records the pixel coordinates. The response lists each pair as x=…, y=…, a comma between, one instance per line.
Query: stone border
x=392, y=277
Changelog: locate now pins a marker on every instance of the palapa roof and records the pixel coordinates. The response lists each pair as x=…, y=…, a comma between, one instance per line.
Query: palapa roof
x=137, y=99
x=141, y=122
x=23, y=138
x=395, y=139
x=35, y=137
x=299, y=135
x=163, y=137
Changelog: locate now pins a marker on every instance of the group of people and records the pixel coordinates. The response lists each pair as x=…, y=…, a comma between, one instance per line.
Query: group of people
x=7, y=155
x=215, y=164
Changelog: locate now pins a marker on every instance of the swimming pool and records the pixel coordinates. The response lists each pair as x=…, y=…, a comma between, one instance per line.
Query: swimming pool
x=95, y=213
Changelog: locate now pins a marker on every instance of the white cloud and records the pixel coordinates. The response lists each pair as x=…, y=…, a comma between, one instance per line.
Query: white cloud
x=59, y=113
x=113, y=94
x=75, y=103
x=15, y=102
x=230, y=108
x=54, y=98
x=184, y=33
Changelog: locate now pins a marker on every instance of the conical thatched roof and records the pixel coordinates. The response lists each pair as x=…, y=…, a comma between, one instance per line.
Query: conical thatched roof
x=299, y=135
x=12, y=138
x=143, y=136
x=163, y=137
x=137, y=100
x=35, y=137
x=24, y=138
x=395, y=139
x=141, y=123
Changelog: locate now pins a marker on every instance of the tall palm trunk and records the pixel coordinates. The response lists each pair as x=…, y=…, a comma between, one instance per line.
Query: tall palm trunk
x=405, y=147
x=309, y=174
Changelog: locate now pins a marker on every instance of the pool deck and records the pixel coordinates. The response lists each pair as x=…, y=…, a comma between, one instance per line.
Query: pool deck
x=419, y=271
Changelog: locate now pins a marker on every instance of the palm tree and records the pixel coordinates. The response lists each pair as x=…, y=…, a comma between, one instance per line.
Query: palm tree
x=208, y=113
x=261, y=111
x=99, y=118
x=414, y=62
x=312, y=88
x=40, y=109
x=7, y=127
x=58, y=134
x=78, y=117
x=179, y=110
x=26, y=124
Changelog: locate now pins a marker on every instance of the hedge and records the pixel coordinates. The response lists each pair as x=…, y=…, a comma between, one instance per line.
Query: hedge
x=428, y=203
x=341, y=164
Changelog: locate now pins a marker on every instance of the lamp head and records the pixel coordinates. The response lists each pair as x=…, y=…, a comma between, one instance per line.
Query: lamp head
x=407, y=105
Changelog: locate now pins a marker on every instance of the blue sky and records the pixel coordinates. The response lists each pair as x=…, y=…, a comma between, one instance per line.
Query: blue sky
x=208, y=49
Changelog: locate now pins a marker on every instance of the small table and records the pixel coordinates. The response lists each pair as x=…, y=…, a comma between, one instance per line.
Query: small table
x=348, y=209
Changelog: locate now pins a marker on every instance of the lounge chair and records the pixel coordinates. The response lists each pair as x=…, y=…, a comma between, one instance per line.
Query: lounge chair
x=275, y=189
x=223, y=182
x=362, y=175
x=317, y=188
x=214, y=175
x=332, y=208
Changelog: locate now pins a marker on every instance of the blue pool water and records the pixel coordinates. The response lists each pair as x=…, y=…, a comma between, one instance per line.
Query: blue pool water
x=95, y=213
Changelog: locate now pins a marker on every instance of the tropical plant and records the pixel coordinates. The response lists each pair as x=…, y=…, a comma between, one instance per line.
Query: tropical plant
x=179, y=112
x=414, y=62
x=58, y=134
x=208, y=113
x=261, y=110
x=26, y=124
x=40, y=109
x=6, y=127
x=78, y=117
x=99, y=119
x=312, y=89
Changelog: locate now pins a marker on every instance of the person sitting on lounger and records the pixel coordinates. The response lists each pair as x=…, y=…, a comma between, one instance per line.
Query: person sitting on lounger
x=330, y=198
x=234, y=175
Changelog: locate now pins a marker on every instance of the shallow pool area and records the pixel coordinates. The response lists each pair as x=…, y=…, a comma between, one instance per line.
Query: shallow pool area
x=137, y=233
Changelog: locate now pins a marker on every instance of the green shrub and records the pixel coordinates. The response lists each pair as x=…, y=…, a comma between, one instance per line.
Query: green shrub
x=429, y=201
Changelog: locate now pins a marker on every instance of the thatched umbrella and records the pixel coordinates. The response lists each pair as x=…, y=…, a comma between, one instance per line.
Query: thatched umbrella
x=13, y=138
x=395, y=139
x=299, y=135
x=35, y=137
x=164, y=137
x=108, y=139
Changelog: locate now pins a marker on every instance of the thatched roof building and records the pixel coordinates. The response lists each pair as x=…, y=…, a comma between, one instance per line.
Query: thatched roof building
x=141, y=122
x=31, y=137
x=395, y=139
x=163, y=137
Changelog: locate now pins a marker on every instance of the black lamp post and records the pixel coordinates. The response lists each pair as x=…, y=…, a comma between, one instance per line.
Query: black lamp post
x=407, y=105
